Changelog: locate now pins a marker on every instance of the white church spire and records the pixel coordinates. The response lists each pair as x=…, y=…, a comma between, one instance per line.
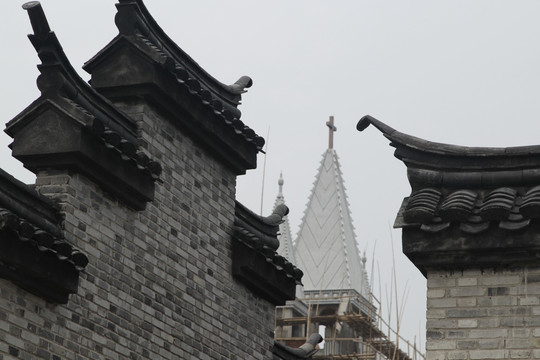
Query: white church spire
x=326, y=248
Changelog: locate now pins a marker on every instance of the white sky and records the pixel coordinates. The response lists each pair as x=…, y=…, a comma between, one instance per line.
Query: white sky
x=455, y=71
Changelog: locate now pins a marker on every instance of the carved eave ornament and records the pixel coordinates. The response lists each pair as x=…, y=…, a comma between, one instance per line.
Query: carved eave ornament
x=71, y=126
x=33, y=253
x=255, y=260
x=469, y=206
x=142, y=61
x=304, y=352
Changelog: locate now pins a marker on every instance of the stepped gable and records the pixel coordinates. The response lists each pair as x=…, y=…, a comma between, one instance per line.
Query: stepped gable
x=33, y=253
x=72, y=126
x=325, y=246
x=143, y=61
x=468, y=205
x=255, y=260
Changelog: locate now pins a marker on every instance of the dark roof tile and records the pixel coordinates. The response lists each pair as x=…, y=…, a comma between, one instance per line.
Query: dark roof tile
x=422, y=205
x=498, y=203
x=458, y=205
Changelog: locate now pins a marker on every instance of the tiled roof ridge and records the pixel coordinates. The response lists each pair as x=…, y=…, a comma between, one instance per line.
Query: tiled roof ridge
x=104, y=119
x=17, y=197
x=133, y=17
x=43, y=240
x=33, y=252
x=431, y=164
x=127, y=150
x=255, y=260
x=279, y=262
x=118, y=131
x=265, y=228
x=92, y=128
x=227, y=113
x=137, y=26
x=442, y=148
x=59, y=78
x=469, y=207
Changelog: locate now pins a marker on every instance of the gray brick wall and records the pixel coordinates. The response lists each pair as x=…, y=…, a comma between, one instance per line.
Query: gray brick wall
x=483, y=314
x=159, y=284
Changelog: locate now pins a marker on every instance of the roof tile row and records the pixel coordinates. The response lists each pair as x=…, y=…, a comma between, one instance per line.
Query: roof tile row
x=42, y=240
x=475, y=211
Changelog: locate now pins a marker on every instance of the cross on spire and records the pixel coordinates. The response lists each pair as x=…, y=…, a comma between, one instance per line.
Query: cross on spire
x=331, y=130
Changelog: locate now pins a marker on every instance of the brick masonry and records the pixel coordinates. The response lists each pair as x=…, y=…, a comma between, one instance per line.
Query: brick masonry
x=159, y=283
x=485, y=314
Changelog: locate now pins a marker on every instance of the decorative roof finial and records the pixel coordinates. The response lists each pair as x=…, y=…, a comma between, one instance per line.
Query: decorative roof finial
x=37, y=18
x=280, y=183
x=331, y=130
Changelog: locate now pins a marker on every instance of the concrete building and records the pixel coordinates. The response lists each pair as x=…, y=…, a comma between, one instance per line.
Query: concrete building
x=130, y=245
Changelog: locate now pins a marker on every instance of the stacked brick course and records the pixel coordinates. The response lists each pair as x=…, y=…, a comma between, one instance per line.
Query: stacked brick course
x=488, y=314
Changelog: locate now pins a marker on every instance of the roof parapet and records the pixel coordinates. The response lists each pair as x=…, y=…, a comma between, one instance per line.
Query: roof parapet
x=59, y=79
x=142, y=62
x=469, y=206
x=71, y=126
x=453, y=166
x=133, y=18
x=255, y=260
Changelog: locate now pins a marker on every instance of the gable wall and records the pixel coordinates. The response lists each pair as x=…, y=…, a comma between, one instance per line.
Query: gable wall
x=158, y=284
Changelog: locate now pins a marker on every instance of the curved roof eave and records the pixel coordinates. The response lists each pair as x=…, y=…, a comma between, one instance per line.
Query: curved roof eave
x=133, y=17
x=426, y=156
x=401, y=139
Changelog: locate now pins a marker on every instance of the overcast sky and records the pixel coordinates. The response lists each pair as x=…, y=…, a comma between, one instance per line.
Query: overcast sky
x=455, y=71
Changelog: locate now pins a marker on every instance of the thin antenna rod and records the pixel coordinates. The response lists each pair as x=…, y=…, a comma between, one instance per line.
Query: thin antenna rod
x=264, y=168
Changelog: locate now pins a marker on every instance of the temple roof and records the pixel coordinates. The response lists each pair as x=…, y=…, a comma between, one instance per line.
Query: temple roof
x=468, y=205
x=326, y=248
